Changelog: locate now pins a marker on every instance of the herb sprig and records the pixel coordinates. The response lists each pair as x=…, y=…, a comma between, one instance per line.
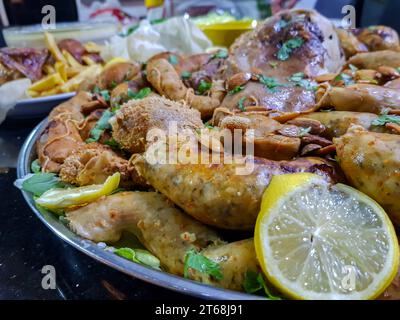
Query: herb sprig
x=202, y=264
x=287, y=48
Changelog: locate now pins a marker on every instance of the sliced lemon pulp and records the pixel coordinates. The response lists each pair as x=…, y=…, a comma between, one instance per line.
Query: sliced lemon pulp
x=64, y=198
x=320, y=241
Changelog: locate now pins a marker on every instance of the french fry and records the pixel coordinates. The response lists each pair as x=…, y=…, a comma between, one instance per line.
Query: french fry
x=72, y=72
x=73, y=83
x=71, y=60
x=92, y=47
x=50, y=92
x=33, y=93
x=47, y=83
x=53, y=48
x=114, y=61
x=48, y=69
x=89, y=61
x=61, y=69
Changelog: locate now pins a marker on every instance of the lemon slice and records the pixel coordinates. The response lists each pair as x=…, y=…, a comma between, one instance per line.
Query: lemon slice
x=54, y=199
x=320, y=241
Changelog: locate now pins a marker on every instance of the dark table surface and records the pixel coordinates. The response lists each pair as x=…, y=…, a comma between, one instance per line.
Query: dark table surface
x=26, y=245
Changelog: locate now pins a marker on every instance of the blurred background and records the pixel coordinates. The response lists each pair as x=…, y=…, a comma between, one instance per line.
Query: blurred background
x=26, y=12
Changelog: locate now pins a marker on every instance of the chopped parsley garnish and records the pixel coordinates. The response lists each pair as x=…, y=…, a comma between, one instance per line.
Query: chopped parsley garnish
x=287, y=48
x=386, y=118
x=39, y=183
x=241, y=104
x=221, y=54
x=104, y=93
x=142, y=93
x=281, y=24
x=35, y=166
x=186, y=75
x=209, y=126
x=304, y=131
x=348, y=80
x=353, y=67
x=100, y=126
x=113, y=84
x=204, y=86
x=112, y=143
x=236, y=90
x=298, y=80
x=202, y=264
x=270, y=82
x=173, y=59
x=273, y=64
x=255, y=283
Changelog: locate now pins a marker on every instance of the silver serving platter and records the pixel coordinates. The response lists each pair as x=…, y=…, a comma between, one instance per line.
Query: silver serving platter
x=159, y=278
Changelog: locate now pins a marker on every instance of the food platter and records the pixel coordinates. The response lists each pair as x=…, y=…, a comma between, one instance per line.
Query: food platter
x=37, y=107
x=159, y=278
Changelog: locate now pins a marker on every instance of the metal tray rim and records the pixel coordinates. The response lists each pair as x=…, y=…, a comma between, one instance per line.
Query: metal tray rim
x=91, y=249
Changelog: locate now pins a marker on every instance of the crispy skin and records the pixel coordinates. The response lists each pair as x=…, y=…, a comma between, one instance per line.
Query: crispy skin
x=320, y=53
x=360, y=98
x=137, y=117
x=350, y=44
x=93, y=163
x=117, y=73
x=59, y=140
x=166, y=80
x=374, y=60
x=337, y=122
x=215, y=194
x=71, y=109
x=160, y=227
x=378, y=38
x=165, y=231
x=371, y=163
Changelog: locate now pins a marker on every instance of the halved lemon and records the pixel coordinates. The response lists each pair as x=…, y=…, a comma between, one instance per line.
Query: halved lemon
x=315, y=240
x=57, y=198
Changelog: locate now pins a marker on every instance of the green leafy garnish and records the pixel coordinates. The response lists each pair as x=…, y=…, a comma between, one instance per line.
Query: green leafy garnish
x=204, y=86
x=39, y=183
x=353, y=67
x=142, y=93
x=100, y=126
x=105, y=94
x=221, y=54
x=298, y=80
x=196, y=261
x=241, y=104
x=173, y=59
x=186, y=75
x=254, y=283
x=113, y=84
x=209, y=126
x=348, y=80
x=96, y=89
x=112, y=143
x=287, y=48
x=386, y=118
x=236, y=90
x=281, y=24
x=139, y=256
x=304, y=131
x=273, y=64
x=35, y=166
x=270, y=82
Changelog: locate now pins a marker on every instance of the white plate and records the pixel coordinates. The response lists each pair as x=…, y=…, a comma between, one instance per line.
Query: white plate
x=37, y=107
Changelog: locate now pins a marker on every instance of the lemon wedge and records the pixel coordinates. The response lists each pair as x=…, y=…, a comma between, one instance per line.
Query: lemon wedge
x=319, y=241
x=57, y=198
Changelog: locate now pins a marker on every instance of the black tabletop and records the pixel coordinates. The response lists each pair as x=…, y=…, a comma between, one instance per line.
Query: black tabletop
x=26, y=246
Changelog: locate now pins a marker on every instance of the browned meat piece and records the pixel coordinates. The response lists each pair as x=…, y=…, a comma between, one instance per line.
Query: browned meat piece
x=134, y=120
x=89, y=123
x=378, y=38
x=282, y=100
x=165, y=79
x=216, y=194
x=117, y=73
x=359, y=97
x=27, y=61
x=318, y=50
x=8, y=74
x=394, y=84
x=59, y=140
x=71, y=109
x=93, y=163
x=350, y=44
x=74, y=47
x=374, y=60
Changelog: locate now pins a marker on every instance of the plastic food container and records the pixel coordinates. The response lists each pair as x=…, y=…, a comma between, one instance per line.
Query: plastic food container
x=223, y=34
x=32, y=36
